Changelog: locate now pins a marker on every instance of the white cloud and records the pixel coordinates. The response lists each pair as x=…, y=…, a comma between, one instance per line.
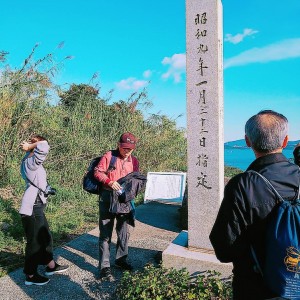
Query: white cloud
x=177, y=65
x=131, y=83
x=147, y=74
x=278, y=51
x=235, y=39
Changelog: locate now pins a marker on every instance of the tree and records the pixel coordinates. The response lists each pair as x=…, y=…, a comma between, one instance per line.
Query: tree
x=77, y=93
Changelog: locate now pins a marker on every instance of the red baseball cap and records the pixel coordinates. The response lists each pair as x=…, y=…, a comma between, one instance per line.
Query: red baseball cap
x=128, y=140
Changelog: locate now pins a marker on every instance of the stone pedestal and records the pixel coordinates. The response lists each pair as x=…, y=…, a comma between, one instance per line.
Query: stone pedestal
x=196, y=260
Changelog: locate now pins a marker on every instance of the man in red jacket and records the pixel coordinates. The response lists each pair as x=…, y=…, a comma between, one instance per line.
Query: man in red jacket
x=125, y=163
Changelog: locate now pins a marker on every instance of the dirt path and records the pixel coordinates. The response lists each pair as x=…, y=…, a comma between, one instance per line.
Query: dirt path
x=156, y=226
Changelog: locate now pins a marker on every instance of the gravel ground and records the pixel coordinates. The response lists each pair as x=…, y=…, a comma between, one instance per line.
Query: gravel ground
x=157, y=224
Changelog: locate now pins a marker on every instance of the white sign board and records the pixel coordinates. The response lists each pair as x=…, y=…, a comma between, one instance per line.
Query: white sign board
x=166, y=186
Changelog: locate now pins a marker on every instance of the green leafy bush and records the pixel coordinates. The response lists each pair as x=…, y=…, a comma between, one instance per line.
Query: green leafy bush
x=231, y=171
x=159, y=283
x=79, y=124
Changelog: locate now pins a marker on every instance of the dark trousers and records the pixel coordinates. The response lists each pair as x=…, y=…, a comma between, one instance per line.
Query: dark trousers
x=250, y=287
x=106, y=225
x=39, y=240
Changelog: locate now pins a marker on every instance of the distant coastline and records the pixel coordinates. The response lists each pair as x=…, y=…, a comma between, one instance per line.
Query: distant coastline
x=238, y=155
x=241, y=144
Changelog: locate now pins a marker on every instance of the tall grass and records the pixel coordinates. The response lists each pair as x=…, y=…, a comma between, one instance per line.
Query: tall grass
x=79, y=127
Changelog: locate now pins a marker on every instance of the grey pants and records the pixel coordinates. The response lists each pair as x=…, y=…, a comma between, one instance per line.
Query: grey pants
x=106, y=225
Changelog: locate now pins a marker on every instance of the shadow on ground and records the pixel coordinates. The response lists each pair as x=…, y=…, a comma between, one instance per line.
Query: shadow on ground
x=157, y=225
x=81, y=281
x=160, y=215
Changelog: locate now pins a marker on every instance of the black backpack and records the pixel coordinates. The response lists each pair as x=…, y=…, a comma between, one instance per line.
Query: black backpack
x=90, y=184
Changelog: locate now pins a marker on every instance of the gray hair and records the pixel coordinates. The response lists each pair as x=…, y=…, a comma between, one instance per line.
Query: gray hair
x=266, y=130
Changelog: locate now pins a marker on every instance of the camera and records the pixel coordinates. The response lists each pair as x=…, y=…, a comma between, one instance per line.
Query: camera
x=49, y=191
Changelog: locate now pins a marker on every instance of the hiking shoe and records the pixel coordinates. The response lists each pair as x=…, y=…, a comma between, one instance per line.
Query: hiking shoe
x=123, y=264
x=36, y=279
x=57, y=269
x=105, y=274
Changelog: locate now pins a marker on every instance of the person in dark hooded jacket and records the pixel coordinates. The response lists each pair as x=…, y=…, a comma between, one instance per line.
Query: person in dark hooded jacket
x=242, y=219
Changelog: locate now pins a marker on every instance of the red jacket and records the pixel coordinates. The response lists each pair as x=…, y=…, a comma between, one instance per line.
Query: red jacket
x=122, y=168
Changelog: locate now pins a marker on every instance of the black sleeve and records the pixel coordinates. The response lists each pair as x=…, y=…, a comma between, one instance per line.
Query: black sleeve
x=227, y=233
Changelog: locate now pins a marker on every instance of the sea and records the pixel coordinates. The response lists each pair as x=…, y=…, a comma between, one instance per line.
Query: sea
x=242, y=157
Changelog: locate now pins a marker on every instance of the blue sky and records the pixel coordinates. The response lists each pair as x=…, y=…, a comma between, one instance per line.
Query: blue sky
x=135, y=44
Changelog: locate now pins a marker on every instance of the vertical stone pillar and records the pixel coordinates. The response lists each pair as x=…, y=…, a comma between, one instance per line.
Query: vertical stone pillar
x=192, y=249
x=204, y=47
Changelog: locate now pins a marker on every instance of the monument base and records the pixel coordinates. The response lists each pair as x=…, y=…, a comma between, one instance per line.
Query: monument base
x=179, y=256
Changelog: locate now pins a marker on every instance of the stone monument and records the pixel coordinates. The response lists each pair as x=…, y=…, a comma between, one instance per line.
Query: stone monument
x=204, y=117
x=204, y=60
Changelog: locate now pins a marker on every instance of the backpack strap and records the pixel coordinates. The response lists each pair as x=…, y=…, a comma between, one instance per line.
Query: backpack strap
x=35, y=185
x=257, y=265
x=135, y=164
x=269, y=184
x=113, y=160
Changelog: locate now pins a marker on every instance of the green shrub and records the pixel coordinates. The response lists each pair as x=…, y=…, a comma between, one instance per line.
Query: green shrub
x=159, y=283
x=231, y=171
x=80, y=125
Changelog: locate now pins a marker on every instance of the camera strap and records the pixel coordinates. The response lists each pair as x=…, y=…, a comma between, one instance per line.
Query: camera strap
x=34, y=185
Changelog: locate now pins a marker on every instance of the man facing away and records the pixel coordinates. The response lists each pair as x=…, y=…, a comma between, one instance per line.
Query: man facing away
x=125, y=164
x=248, y=201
